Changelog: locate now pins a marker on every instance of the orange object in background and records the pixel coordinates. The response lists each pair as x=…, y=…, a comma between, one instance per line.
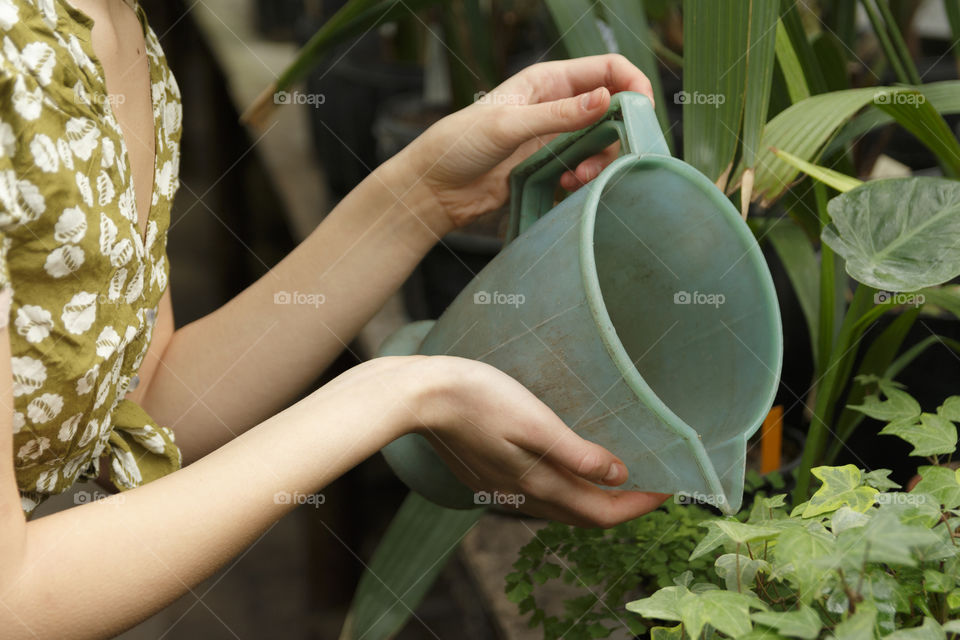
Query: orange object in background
x=771, y=440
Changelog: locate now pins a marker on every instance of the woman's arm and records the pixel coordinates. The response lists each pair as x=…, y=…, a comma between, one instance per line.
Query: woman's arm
x=150, y=545
x=228, y=371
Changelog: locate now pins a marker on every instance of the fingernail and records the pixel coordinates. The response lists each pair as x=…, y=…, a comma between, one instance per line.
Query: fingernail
x=613, y=473
x=591, y=100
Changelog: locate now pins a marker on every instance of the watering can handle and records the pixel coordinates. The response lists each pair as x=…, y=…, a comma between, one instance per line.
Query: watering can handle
x=630, y=118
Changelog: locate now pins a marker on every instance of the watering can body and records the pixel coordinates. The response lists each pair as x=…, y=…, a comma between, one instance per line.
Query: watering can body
x=639, y=309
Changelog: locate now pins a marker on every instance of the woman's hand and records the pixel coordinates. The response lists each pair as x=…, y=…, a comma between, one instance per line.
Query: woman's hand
x=497, y=436
x=463, y=160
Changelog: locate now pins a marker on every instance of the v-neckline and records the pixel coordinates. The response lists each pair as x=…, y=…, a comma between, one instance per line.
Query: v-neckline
x=140, y=237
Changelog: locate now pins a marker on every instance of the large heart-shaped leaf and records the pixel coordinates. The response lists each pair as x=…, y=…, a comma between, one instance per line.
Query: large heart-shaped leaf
x=900, y=234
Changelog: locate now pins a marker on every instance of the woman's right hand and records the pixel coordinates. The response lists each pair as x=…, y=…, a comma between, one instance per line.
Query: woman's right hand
x=497, y=436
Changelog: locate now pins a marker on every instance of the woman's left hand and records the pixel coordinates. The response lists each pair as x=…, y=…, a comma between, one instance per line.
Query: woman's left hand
x=463, y=161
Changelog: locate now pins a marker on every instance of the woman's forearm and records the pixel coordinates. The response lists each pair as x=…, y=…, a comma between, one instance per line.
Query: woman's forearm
x=136, y=552
x=240, y=364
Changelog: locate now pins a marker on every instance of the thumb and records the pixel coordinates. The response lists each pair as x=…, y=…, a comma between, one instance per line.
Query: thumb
x=586, y=459
x=567, y=114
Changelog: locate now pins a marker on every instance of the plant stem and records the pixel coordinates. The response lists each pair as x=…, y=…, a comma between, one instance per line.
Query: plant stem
x=885, y=42
x=899, y=42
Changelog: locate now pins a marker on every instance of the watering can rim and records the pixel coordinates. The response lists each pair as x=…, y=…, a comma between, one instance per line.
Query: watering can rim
x=611, y=341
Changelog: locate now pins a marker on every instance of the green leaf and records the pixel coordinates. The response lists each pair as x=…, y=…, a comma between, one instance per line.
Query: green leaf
x=790, y=66
x=829, y=177
x=941, y=483
x=898, y=234
x=667, y=633
x=879, y=480
x=662, y=605
x=404, y=566
x=802, y=623
x=950, y=409
x=915, y=114
x=938, y=582
x=802, y=265
x=953, y=601
x=728, y=52
x=858, y=626
x=728, y=565
x=597, y=630
x=713, y=539
x=885, y=539
x=846, y=518
x=841, y=486
x=802, y=548
x=930, y=630
x=933, y=435
x=742, y=533
x=898, y=405
x=577, y=24
x=725, y=611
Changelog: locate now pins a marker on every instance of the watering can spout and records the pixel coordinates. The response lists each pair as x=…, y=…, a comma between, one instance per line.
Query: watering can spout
x=649, y=322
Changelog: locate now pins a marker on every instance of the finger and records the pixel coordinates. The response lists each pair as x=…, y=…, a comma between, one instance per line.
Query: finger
x=545, y=118
x=589, y=168
x=554, y=442
x=561, y=78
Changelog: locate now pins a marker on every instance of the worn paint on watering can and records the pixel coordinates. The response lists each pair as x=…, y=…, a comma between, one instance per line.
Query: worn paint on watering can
x=640, y=309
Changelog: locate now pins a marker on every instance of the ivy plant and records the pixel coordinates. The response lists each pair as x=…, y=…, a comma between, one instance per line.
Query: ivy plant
x=860, y=560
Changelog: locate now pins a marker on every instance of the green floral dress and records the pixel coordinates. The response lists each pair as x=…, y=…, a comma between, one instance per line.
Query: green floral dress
x=83, y=284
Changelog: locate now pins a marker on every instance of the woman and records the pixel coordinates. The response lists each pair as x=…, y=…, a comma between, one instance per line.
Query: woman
x=99, y=384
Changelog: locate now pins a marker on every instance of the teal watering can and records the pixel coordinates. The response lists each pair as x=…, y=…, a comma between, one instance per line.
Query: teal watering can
x=640, y=309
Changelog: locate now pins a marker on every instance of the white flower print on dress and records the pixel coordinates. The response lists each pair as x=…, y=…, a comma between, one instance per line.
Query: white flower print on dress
x=107, y=342
x=105, y=190
x=8, y=14
x=116, y=284
x=121, y=253
x=47, y=480
x=83, y=183
x=108, y=234
x=135, y=288
x=33, y=323
x=69, y=427
x=82, y=136
x=45, y=153
x=149, y=438
x=45, y=408
x=107, y=153
x=73, y=466
x=66, y=156
x=64, y=260
x=20, y=199
x=33, y=449
x=19, y=422
x=85, y=383
x=29, y=374
x=128, y=205
x=8, y=141
x=71, y=226
x=39, y=58
x=28, y=103
x=91, y=431
x=125, y=469
x=78, y=314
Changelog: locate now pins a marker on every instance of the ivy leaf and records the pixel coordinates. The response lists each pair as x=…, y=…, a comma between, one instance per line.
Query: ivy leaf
x=667, y=633
x=930, y=630
x=940, y=482
x=879, y=480
x=841, y=486
x=859, y=626
x=953, y=601
x=950, y=409
x=725, y=611
x=802, y=623
x=519, y=592
x=743, y=533
x=662, y=605
x=714, y=538
x=597, y=630
x=885, y=539
x=846, y=518
x=898, y=405
x=801, y=548
x=933, y=435
x=727, y=567
x=938, y=582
